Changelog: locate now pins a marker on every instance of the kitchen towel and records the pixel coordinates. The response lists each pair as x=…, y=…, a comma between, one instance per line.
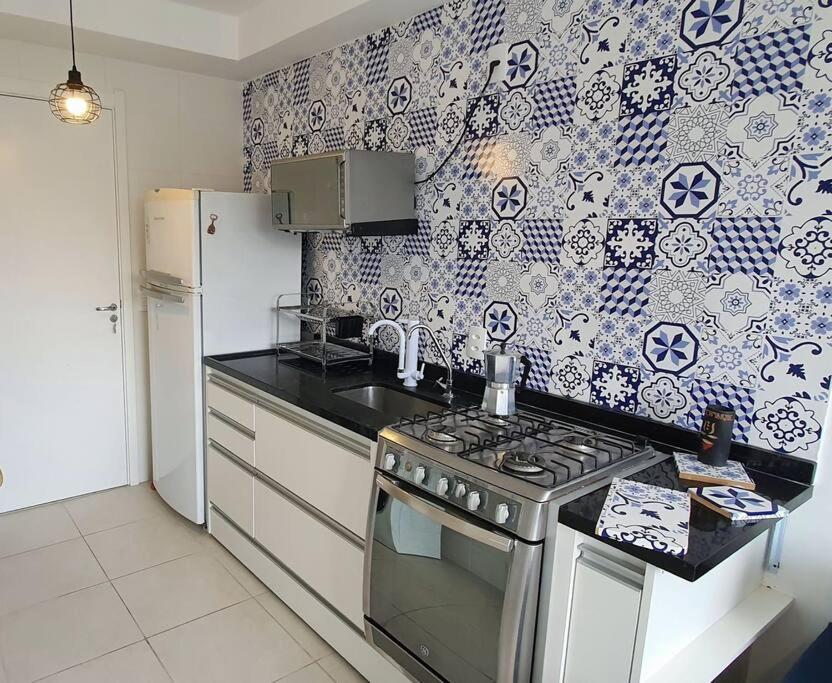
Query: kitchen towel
x=647, y=516
x=731, y=474
x=736, y=504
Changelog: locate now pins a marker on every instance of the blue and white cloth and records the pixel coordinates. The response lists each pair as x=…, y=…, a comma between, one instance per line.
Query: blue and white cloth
x=646, y=516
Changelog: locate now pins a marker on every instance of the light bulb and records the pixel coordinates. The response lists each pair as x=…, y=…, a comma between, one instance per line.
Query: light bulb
x=77, y=106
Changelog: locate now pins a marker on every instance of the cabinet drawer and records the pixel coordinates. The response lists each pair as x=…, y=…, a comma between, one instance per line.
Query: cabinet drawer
x=223, y=401
x=328, y=476
x=230, y=488
x=231, y=439
x=332, y=566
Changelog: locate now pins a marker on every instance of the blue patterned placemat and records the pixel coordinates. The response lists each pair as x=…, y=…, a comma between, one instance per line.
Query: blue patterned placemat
x=647, y=516
x=737, y=504
x=732, y=473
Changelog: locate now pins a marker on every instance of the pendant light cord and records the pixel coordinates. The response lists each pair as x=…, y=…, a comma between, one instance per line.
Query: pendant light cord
x=72, y=34
x=491, y=68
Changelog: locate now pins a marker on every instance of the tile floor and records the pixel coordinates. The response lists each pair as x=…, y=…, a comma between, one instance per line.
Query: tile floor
x=114, y=586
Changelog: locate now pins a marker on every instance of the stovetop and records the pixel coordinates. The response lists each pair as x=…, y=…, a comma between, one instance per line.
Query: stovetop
x=540, y=450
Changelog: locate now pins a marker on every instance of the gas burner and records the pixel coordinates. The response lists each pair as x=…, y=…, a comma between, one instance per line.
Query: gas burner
x=518, y=463
x=441, y=436
x=495, y=421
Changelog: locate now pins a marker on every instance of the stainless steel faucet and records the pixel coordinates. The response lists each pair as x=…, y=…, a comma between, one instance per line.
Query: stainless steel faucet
x=449, y=381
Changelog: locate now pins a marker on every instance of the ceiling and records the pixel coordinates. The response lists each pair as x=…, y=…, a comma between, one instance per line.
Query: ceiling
x=237, y=39
x=232, y=7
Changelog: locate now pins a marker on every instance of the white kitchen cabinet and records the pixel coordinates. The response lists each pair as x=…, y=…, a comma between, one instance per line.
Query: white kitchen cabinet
x=327, y=562
x=230, y=404
x=603, y=621
x=231, y=438
x=319, y=466
x=230, y=488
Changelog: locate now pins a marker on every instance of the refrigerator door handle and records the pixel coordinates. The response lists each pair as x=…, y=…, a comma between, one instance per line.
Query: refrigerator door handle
x=165, y=278
x=159, y=294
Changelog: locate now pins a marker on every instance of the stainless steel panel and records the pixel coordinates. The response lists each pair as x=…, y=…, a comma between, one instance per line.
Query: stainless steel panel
x=379, y=186
x=390, y=401
x=311, y=188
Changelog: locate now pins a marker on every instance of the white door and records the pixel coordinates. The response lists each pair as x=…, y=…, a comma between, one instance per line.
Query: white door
x=173, y=325
x=62, y=401
x=246, y=263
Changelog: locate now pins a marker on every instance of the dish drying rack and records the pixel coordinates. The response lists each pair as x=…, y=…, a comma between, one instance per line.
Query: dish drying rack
x=325, y=319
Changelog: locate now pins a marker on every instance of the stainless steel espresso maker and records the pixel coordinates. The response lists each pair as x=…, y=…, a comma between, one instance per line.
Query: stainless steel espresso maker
x=501, y=372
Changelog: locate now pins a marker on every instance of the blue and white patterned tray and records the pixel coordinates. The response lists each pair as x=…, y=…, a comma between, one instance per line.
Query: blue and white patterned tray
x=737, y=504
x=647, y=516
x=731, y=474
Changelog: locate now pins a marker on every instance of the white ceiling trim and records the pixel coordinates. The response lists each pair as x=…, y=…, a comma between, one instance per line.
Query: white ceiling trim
x=271, y=34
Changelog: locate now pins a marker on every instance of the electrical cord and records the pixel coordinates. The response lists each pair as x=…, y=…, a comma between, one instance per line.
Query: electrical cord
x=491, y=68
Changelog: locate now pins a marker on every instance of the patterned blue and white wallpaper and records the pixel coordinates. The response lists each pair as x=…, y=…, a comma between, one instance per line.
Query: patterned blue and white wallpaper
x=641, y=201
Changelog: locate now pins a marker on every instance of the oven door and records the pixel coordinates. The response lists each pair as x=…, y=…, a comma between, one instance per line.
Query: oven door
x=445, y=596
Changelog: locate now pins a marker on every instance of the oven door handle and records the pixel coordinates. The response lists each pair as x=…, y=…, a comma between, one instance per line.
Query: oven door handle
x=446, y=519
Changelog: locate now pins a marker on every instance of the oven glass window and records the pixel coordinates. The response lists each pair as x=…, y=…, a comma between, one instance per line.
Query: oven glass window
x=438, y=592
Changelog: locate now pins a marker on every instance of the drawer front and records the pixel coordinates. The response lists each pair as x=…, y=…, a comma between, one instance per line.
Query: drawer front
x=332, y=566
x=223, y=401
x=231, y=439
x=230, y=488
x=329, y=477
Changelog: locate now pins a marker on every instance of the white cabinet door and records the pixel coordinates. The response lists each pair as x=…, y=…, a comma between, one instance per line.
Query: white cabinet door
x=230, y=489
x=62, y=402
x=332, y=566
x=329, y=477
x=602, y=626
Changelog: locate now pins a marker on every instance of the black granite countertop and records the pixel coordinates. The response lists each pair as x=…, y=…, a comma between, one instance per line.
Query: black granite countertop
x=302, y=384
x=712, y=537
x=784, y=479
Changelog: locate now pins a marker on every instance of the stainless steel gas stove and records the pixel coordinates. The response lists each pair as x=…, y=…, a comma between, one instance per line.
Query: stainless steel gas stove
x=462, y=504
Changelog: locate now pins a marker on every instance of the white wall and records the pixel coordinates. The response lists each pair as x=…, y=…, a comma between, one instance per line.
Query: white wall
x=806, y=573
x=183, y=130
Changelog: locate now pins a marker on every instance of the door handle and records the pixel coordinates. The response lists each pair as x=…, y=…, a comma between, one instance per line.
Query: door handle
x=111, y=307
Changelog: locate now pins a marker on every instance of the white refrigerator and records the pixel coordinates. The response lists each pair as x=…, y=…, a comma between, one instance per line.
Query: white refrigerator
x=214, y=268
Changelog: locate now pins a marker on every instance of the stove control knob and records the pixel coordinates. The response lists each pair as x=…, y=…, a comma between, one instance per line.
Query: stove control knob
x=419, y=475
x=390, y=462
x=442, y=486
x=501, y=513
x=473, y=501
x=460, y=490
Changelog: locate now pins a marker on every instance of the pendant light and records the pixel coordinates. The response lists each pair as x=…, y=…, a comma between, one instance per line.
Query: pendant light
x=74, y=102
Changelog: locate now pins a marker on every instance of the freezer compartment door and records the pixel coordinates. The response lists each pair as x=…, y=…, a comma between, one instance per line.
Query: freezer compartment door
x=172, y=238
x=174, y=323
x=245, y=265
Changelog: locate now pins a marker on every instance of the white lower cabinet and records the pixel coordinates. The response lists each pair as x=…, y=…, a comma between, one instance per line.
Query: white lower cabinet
x=328, y=563
x=332, y=477
x=230, y=489
x=603, y=623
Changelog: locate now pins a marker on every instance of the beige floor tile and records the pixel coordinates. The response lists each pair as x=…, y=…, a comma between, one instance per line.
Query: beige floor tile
x=310, y=641
x=340, y=670
x=139, y=545
x=108, y=509
x=239, y=643
x=178, y=591
x=35, y=528
x=248, y=580
x=135, y=663
x=59, y=633
x=46, y=573
x=310, y=674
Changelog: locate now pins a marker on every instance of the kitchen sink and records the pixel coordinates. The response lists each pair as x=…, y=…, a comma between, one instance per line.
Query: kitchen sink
x=389, y=400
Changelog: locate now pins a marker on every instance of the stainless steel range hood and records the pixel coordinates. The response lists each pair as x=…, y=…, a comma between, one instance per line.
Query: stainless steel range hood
x=358, y=192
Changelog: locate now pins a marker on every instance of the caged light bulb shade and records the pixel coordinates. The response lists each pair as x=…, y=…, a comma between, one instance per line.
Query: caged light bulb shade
x=74, y=102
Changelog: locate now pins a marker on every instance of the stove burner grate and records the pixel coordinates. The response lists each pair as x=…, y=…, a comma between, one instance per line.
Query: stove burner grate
x=439, y=435
x=517, y=463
